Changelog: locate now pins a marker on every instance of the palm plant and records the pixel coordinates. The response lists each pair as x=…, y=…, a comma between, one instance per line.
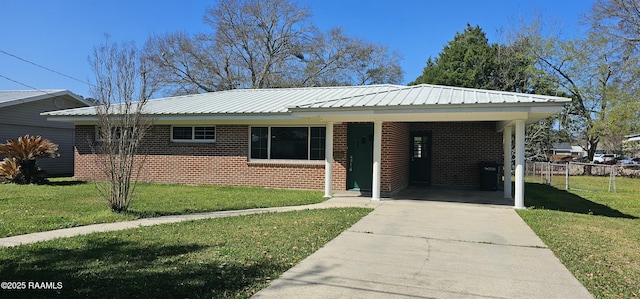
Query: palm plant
x=20, y=165
x=10, y=170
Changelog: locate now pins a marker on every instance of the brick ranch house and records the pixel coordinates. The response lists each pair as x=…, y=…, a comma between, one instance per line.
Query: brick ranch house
x=378, y=138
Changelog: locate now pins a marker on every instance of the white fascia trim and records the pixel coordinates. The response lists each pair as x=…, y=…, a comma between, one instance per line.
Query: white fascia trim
x=433, y=108
x=170, y=119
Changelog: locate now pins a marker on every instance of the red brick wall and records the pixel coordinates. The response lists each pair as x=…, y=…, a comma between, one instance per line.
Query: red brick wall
x=457, y=147
x=340, y=157
x=224, y=162
x=395, y=157
x=85, y=165
x=456, y=150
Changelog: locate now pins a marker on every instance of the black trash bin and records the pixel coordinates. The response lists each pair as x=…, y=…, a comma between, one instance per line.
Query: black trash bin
x=488, y=175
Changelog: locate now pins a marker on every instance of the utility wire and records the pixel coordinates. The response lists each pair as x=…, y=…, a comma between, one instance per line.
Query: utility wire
x=27, y=85
x=23, y=84
x=41, y=66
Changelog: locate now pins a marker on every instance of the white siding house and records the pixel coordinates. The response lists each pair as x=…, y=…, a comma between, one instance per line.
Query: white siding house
x=20, y=115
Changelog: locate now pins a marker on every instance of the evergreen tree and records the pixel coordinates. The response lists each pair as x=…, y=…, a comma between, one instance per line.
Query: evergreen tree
x=466, y=61
x=469, y=60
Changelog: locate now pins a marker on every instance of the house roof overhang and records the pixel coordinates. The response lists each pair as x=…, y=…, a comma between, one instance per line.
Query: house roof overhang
x=422, y=103
x=503, y=113
x=17, y=97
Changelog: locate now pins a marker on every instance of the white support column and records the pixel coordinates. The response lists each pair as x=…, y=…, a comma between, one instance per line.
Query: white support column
x=506, y=142
x=328, y=162
x=519, y=198
x=377, y=157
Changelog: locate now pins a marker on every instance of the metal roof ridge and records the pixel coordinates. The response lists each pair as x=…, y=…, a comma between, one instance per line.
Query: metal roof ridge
x=313, y=87
x=393, y=97
x=274, y=89
x=398, y=87
x=181, y=96
x=409, y=88
x=492, y=91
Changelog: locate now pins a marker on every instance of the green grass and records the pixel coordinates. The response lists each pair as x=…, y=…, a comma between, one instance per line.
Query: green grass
x=595, y=234
x=596, y=184
x=65, y=203
x=217, y=258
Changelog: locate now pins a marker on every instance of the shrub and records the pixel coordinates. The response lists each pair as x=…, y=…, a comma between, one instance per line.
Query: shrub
x=20, y=164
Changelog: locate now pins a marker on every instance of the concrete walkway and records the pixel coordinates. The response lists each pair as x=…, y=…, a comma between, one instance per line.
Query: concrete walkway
x=404, y=249
x=426, y=249
x=104, y=227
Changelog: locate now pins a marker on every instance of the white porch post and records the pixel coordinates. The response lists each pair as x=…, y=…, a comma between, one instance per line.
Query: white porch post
x=328, y=162
x=519, y=200
x=506, y=142
x=377, y=157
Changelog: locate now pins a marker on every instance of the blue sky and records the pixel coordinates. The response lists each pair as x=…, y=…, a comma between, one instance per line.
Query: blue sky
x=61, y=34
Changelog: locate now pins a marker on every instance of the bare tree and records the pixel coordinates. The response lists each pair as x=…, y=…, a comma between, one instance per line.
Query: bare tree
x=619, y=18
x=593, y=71
x=260, y=35
x=619, y=22
x=187, y=64
x=337, y=59
x=264, y=44
x=122, y=90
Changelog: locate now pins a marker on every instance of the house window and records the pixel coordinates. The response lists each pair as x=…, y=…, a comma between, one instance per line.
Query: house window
x=288, y=143
x=259, y=142
x=318, y=138
x=193, y=134
x=417, y=147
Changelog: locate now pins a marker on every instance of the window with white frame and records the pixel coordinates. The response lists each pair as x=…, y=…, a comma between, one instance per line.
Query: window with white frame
x=288, y=143
x=193, y=133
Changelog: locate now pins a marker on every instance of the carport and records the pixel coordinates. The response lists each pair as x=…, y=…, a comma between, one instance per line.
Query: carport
x=509, y=112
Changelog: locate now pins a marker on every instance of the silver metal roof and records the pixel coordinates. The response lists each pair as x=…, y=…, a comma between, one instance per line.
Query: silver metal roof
x=243, y=101
x=15, y=97
x=283, y=100
x=425, y=94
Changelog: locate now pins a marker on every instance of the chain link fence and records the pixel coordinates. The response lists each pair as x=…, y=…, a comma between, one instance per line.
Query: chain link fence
x=582, y=176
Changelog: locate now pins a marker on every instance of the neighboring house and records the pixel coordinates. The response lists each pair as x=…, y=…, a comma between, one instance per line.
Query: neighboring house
x=560, y=152
x=564, y=151
x=578, y=151
x=380, y=138
x=561, y=148
x=20, y=115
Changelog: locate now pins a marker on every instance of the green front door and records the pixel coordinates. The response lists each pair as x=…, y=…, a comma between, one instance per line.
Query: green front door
x=359, y=156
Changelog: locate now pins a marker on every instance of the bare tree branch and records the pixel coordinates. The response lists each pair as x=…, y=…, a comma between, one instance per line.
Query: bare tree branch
x=122, y=90
x=265, y=44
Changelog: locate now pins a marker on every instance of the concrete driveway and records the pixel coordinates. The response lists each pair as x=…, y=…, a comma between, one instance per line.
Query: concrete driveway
x=427, y=249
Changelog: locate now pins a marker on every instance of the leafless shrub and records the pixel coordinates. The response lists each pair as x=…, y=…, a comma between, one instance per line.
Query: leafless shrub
x=122, y=90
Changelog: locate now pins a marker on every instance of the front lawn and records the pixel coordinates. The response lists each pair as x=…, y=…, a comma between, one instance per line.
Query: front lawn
x=595, y=234
x=66, y=203
x=230, y=257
